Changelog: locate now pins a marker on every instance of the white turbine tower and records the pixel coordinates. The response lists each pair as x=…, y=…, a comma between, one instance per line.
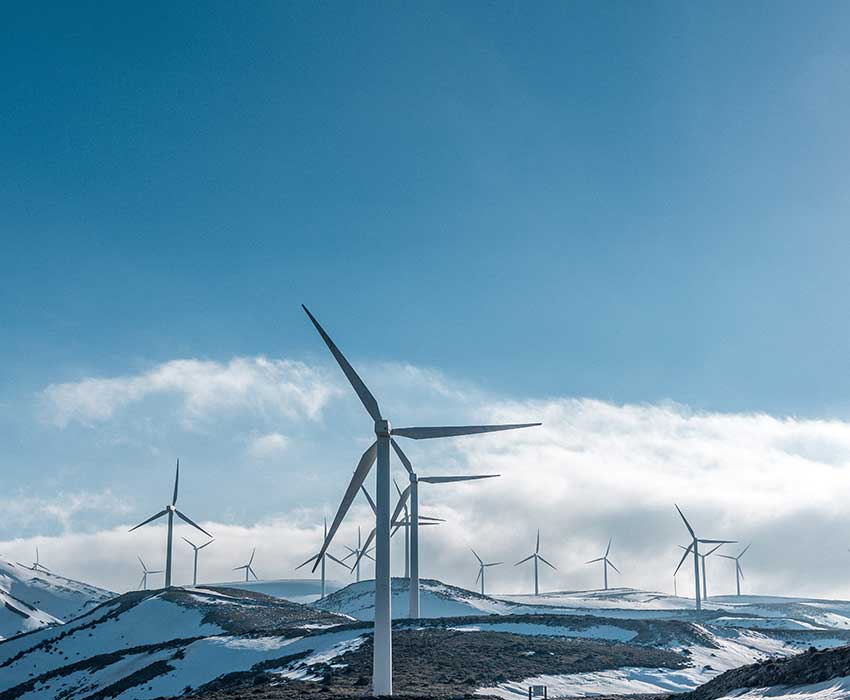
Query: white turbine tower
x=536, y=557
x=382, y=683
x=406, y=524
x=327, y=555
x=358, y=553
x=694, y=547
x=606, y=562
x=481, y=567
x=143, y=584
x=196, y=549
x=170, y=510
x=702, y=558
x=739, y=572
x=248, y=568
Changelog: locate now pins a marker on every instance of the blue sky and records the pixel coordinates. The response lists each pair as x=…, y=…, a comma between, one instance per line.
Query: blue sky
x=639, y=203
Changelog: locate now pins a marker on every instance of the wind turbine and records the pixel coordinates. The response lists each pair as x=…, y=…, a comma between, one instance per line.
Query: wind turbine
x=327, y=555
x=694, y=547
x=358, y=553
x=536, y=556
x=170, y=510
x=481, y=567
x=36, y=565
x=197, y=549
x=702, y=558
x=605, y=564
x=382, y=677
x=248, y=568
x=405, y=523
x=739, y=572
x=143, y=584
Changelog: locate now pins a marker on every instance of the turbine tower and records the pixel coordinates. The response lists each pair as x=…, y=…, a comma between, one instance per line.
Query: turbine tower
x=481, y=567
x=382, y=660
x=327, y=555
x=405, y=523
x=536, y=557
x=143, y=584
x=170, y=510
x=606, y=562
x=36, y=565
x=195, y=566
x=739, y=572
x=359, y=552
x=702, y=558
x=694, y=547
x=248, y=568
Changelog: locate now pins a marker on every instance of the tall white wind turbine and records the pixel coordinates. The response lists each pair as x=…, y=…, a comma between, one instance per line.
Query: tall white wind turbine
x=606, y=562
x=196, y=549
x=535, y=556
x=739, y=572
x=382, y=683
x=247, y=567
x=171, y=510
x=36, y=565
x=481, y=568
x=694, y=547
x=143, y=584
x=327, y=555
x=702, y=557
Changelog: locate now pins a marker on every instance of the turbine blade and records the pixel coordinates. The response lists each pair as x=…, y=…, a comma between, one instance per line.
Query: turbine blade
x=366, y=398
x=687, y=524
x=350, y=554
x=150, y=519
x=712, y=551
x=369, y=498
x=717, y=541
x=455, y=430
x=593, y=561
x=476, y=556
x=251, y=560
x=745, y=550
x=495, y=563
x=537, y=548
x=176, y=481
x=478, y=578
x=546, y=562
x=402, y=499
x=688, y=550
x=191, y=544
x=360, y=474
x=740, y=570
x=614, y=567
x=522, y=561
x=432, y=519
x=608, y=549
x=205, y=544
x=403, y=457
x=363, y=550
x=144, y=568
x=191, y=522
x=369, y=556
x=307, y=562
x=727, y=556
x=333, y=558
x=447, y=479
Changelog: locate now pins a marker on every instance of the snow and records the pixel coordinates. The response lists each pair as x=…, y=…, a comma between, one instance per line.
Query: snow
x=294, y=590
x=835, y=689
x=608, y=632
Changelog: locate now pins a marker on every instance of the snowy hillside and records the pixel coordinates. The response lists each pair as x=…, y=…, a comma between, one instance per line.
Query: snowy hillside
x=33, y=599
x=295, y=590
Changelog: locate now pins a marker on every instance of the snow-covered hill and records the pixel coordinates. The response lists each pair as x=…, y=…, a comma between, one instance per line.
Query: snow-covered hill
x=296, y=590
x=34, y=599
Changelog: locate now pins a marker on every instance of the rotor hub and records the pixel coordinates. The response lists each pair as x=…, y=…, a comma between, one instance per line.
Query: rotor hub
x=382, y=428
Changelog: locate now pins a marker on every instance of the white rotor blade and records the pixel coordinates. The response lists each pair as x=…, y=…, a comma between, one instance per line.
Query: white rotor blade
x=608, y=550
x=186, y=519
x=522, y=561
x=360, y=474
x=480, y=561
x=447, y=479
x=455, y=430
x=478, y=578
x=176, y=481
x=403, y=457
x=716, y=541
x=205, y=544
x=150, y=519
x=687, y=524
x=745, y=550
x=190, y=543
x=611, y=564
x=684, y=556
x=546, y=562
x=307, y=562
x=369, y=498
x=593, y=561
x=333, y=558
x=369, y=402
x=495, y=563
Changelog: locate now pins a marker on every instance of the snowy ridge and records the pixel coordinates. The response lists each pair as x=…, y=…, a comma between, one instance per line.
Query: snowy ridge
x=35, y=599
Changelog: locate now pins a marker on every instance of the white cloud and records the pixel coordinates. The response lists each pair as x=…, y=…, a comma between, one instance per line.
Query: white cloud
x=268, y=445
x=203, y=387
x=63, y=508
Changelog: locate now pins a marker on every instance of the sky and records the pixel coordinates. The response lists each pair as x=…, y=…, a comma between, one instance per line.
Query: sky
x=627, y=220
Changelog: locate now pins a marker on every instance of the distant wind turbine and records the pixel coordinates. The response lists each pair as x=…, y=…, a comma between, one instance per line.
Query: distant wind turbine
x=170, y=510
x=606, y=562
x=358, y=553
x=694, y=547
x=382, y=655
x=143, y=584
x=327, y=555
x=196, y=549
x=536, y=556
x=739, y=572
x=36, y=565
x=248, y=568
x=405, y=523
x=702, y=558
x=481, y=567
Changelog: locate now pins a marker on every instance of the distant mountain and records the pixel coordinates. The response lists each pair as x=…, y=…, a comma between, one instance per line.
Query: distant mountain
x=298, y=590
x=34, y=599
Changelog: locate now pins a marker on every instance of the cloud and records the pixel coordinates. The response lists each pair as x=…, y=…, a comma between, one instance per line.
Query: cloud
x=63, y=508
x=268, y=445
x=202, y=387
